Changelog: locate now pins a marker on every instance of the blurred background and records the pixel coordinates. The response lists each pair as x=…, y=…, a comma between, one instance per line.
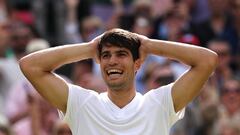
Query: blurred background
x=27, y=26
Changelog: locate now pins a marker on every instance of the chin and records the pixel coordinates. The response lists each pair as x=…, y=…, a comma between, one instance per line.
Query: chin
x=115, y=86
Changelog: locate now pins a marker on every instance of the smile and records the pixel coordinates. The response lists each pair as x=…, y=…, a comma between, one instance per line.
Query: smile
x=114, y=71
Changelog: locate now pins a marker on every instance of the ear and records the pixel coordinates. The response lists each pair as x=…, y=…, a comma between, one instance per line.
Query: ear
x=137, y=64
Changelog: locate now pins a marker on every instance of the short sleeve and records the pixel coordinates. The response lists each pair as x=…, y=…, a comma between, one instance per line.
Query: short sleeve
x=77, y=96
x=164, y=97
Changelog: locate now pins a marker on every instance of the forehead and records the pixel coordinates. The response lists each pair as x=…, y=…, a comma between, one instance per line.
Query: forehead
x=113, y=48
x=219, y=46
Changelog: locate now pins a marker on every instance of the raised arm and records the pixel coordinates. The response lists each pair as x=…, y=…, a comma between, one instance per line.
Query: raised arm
x=201, y=60
x=38, y=68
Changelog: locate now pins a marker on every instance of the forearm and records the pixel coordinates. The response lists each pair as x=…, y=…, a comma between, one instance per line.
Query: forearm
x=188, y=54
x=38, y=67
x=201, y=60
x=50, y=59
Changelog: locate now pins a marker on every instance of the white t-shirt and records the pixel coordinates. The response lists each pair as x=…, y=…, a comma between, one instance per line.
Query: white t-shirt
x=90, y=113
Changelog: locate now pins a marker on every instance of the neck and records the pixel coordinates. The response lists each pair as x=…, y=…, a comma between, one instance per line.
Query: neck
x=121, y=97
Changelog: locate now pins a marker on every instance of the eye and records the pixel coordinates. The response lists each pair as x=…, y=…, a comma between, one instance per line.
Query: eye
x=122, y=54
x=105, y=56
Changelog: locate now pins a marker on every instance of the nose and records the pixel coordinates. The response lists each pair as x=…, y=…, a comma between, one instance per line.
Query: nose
x=113, y=60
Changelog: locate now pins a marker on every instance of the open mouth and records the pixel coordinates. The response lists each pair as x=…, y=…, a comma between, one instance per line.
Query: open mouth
x=114, y=72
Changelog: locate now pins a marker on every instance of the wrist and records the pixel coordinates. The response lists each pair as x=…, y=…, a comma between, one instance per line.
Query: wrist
x=92, y=49
x=145, y=45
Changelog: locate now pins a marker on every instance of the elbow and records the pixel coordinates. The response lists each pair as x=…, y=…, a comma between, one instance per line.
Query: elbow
x=211, y=60
x=25, y=65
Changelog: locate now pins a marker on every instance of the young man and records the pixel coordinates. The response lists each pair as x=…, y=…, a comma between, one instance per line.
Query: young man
x=121, y=110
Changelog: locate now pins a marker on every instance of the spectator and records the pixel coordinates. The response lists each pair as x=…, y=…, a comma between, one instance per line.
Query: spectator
x=21, y=36
x=24, y=103
x=61, y=128
x=9, y=69
x=230, y=99
x=83, y=75
x=223, y=71
x=226, y=127
x=90, y=27
x=157, y=75
x=218, y=25
x=76, y=10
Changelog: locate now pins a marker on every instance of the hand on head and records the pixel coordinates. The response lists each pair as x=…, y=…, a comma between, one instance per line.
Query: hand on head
x=143, y=48
x=94, y=44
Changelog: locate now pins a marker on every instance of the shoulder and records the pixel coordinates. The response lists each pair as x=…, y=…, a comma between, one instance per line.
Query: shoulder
x=80, y=94
x=79, y=90
x=163, y=90
x=160, y=94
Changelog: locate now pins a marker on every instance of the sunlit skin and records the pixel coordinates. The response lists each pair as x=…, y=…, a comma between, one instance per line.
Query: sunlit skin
x=121, y=59
x=38, y=67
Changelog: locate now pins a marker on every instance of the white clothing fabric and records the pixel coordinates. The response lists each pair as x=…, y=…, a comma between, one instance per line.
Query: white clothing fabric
x=90, y=113
x=10, y=73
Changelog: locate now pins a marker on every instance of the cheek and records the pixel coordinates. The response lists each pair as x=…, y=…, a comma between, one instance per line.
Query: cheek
x=102, y=69
x=102, y=64
x=132, y=70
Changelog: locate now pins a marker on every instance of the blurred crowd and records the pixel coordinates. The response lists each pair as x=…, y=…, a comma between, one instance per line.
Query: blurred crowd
x=27, y=26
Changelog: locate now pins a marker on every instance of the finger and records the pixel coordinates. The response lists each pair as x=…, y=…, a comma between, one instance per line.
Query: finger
x=142, y=56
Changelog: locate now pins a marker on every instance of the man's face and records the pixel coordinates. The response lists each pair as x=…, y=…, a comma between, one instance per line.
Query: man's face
x=20, y=38
x=118, y=68
x=231, y=95
x=223, y=51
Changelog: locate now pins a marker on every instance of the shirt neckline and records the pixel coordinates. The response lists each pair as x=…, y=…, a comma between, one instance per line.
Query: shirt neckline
x=117, y=109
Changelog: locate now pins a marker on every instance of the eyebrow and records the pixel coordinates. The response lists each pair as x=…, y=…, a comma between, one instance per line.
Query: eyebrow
x=104, y=52
x=122, y=51
x=119, y=51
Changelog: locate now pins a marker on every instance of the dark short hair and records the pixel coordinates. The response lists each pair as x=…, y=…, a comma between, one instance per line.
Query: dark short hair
x=120, y=38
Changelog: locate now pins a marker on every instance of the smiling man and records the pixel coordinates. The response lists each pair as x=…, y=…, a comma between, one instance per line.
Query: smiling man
x=120, y=110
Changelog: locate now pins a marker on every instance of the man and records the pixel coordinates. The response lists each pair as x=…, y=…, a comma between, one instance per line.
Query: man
x=121, y=110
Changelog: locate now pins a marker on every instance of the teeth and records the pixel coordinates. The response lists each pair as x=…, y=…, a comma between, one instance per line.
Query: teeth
x=114, y=71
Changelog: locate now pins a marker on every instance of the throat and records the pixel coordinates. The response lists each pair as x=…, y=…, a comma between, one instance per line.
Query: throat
x=120, y=98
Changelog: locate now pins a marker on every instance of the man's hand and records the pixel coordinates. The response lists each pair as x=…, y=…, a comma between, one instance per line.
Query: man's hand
x=143, y=50
x=38, y=67
x=94, y=43
x=202, y=62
